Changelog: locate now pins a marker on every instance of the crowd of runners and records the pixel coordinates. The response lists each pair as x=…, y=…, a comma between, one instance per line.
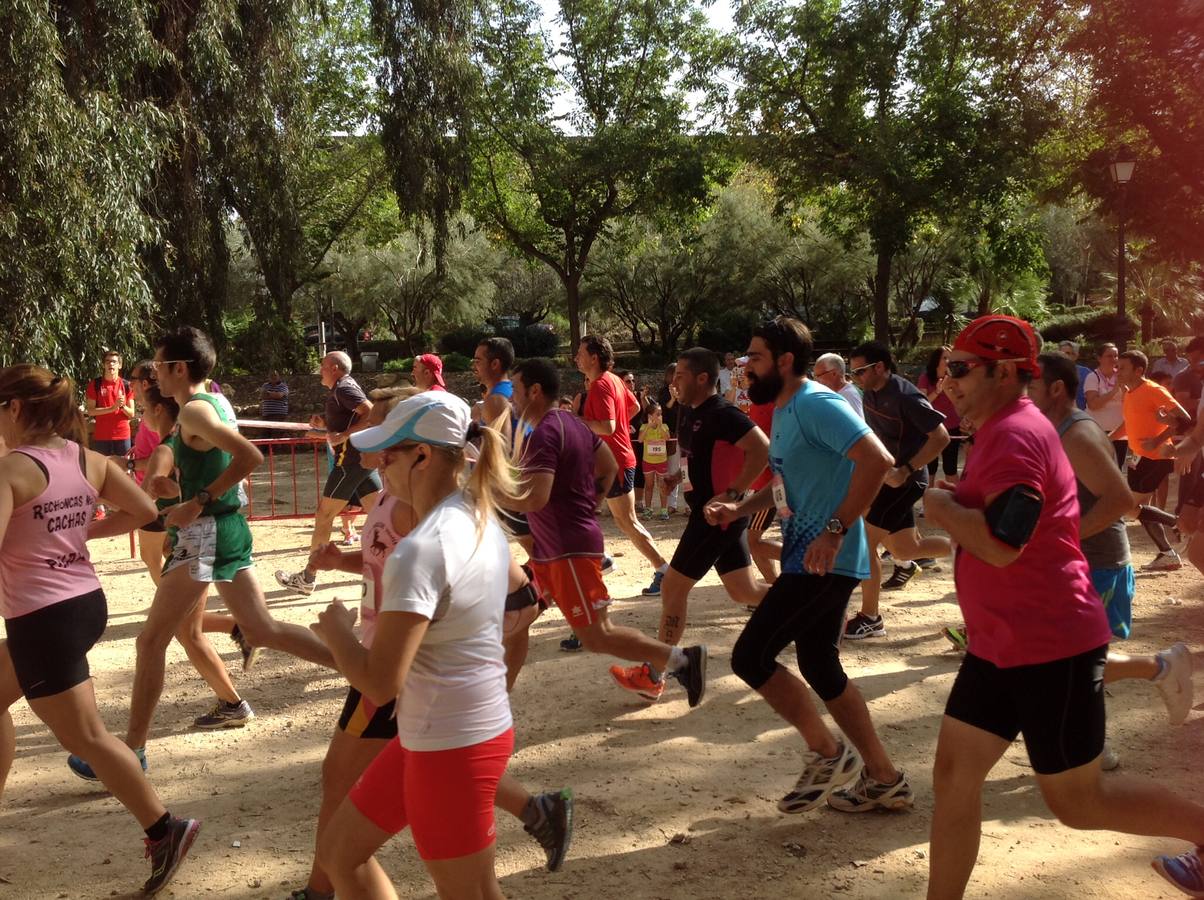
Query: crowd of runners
x=796, y=476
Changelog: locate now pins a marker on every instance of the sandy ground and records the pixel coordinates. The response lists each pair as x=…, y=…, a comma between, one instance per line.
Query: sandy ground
x=671, y=803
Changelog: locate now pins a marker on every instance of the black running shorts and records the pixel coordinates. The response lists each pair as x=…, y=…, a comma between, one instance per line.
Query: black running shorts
x=1058, y=706
x=703, y=545
x=762, y=519
x=1145, y=477
x=624, y=484
x=514, y=523
x=49, y=646
x=360, y=718
x=345, y=482
x=893, y=509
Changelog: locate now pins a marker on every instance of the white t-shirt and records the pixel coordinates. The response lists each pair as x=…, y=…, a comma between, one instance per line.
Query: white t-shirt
x=1111, y=416
x=853, y=396
x=455, y=692
x=725, y=379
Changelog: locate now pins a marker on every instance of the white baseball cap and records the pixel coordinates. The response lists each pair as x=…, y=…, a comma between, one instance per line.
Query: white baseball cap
x=432, y=417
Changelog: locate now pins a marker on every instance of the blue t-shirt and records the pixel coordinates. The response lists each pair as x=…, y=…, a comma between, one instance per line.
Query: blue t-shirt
x=1081, y=399
x=811, y=436
x=503, y=388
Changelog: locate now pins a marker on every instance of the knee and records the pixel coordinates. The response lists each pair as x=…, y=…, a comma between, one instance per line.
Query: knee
x=1074, y=809
x=749, y=664
x=823, y=671
x=595, y=638
x=152, y=639
x=257, y=633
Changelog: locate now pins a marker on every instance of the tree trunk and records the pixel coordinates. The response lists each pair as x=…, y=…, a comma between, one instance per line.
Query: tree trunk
x=1147, y=323
x=984, y=300
x=882, y=296
x=572, y=300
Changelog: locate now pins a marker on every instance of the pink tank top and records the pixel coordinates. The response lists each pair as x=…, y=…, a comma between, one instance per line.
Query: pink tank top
x=377, y=540
x=44, y=558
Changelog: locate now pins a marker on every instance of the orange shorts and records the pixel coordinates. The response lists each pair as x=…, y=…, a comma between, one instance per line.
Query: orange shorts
x=576, y=584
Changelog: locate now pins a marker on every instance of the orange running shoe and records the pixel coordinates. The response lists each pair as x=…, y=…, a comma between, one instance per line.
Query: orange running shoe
x=639, y=680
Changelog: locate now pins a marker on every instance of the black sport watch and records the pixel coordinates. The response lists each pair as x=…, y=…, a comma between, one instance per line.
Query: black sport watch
x=835, y=526
x=202, y=497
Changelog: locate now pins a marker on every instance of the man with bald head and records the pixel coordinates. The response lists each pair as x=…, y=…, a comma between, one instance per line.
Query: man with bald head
x=347, y=409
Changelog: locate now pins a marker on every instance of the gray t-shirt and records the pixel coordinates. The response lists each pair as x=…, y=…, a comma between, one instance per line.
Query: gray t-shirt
x=902, y=418
x=1109, y=549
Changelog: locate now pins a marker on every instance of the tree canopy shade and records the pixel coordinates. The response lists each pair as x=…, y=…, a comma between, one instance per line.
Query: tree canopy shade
x=576, y=134
x=893, y=109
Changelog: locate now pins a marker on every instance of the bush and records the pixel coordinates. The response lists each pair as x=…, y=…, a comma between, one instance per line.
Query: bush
x=728, y=329
x=534, y=340
x=1092, y=325
x=390, y=351
x=462, y=340
x=457, y=362
x=404, y=366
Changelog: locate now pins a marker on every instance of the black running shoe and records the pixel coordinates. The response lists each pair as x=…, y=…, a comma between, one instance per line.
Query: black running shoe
x=554, y=832
x=571, y=644
x=900, y=577
x=167, y=854
x=694, y=676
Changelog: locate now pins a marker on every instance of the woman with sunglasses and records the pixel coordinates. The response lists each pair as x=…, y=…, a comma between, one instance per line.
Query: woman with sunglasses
x=932, y=382
x=53, y=606
x=437, y=648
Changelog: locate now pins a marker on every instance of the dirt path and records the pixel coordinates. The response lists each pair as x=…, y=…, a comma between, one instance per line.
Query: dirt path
x=671, y=803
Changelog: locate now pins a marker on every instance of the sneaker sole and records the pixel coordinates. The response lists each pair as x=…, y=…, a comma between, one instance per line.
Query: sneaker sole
x=881, y=632
x=702, y=674
x=556, y=864
x=249, y=661
x=83, y=777
x=637, y=691
x=1157, y=865
x=891, y=804
x=185, y=845
x=229, y=723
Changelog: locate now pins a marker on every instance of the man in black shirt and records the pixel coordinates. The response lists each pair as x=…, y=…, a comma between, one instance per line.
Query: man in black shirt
x=914, y=433
x=347, y=409
x=722, y=454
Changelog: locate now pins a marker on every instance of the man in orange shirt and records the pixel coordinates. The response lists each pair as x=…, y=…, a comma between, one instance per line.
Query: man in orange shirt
x=1150, y=413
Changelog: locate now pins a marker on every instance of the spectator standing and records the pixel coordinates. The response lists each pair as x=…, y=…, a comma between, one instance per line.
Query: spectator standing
x=726, y=374
x=1105, y=395
x=1171, y=363
x=1070, y=350
x=110, y=402
x=273, y=398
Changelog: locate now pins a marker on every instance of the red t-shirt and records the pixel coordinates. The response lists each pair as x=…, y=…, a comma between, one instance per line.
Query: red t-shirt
x=1042, y=607
x=610, y=400
x=762, y=416
x=114, y=426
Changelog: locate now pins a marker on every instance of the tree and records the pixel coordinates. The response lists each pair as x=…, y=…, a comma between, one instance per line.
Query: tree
x=891, y=110
x=578, y=135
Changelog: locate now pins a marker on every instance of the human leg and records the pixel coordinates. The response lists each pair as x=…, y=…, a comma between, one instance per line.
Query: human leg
x=622, y=508
x=10, y=693
x=244, y=598
x=204, y=658
x=346, y=853
x=871, y=588
x=150, y=549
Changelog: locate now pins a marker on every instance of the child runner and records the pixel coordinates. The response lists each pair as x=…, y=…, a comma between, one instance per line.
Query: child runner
x=654, y=437
x=437, y=648
x=53, y=606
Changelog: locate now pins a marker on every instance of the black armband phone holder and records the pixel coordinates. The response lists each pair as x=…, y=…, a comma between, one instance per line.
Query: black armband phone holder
x=1012, y=517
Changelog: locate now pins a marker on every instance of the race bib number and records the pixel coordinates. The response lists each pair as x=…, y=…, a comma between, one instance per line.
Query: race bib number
x=685, y=477
x=658, y=448
x=367, y=598
x=196, y=547
x=779, y=498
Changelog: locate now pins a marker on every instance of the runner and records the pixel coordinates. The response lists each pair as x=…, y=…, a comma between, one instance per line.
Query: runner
x=208, y=538
x=827, y=467
x=53, y=606
x=347, y=409
x=932, y=384
x=829, y=371
x=608, y=409
x=564, y=468
x=427, y=372
x=491, y=364
x=766, y=552
x=912, y=430
x=723, y=452
x=437, y=645
x=1105, y=394
x=1104, y=498
x=1038, y=635
x=1149, y=423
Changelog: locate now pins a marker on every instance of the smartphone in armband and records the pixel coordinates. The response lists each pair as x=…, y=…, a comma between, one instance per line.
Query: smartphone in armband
x=1012, y=517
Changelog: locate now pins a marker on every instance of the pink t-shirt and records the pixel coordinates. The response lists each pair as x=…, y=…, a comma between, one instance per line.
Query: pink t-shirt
x=145, y=442
x=44, y=558
x=377, y=540
x=1042, y=607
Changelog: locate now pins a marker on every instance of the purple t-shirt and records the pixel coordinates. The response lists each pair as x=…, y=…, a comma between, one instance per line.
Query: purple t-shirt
x=563, y=445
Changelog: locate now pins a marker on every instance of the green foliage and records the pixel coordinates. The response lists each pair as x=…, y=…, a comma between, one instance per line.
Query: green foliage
x=457, y=362
x=727, y=329
x=1090, y=325
x=532, y=340
x=462, y=340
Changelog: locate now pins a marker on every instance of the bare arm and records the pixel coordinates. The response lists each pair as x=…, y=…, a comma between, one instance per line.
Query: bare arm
x=606, y=468
x=968, y=527
x=133, y=507
x=378, y=673
x=1094, y=464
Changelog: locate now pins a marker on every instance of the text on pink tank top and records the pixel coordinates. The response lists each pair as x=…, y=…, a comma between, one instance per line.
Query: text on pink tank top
x=377, y=540
x=44, y=558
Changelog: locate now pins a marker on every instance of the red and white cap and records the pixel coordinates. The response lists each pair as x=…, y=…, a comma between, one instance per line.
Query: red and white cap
x=1003, y=339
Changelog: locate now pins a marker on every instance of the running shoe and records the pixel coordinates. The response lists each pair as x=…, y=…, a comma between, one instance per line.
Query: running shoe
x=1185, y=871
x=869, y=794
x=654, y=589
x=226, y=715
x=79, y=766
x=1175, y=686
x=296, y=582
x=639, y=680
x=608, y=565
x=167, y=854
x=821, y=776
x=1109, y=761
x=693, y=676
x=663, y=515
x=956, y=635
x=571, y=644
x=307, y=893
x=554, y=831
x=1164, y=562
x=249, y=654
x=928, y=564
x=351, y=540
x=862, y=626
x=647, y=513
x=902, y=574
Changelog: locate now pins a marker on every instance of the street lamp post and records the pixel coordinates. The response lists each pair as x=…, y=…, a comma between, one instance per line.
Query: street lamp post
x=1122, y=174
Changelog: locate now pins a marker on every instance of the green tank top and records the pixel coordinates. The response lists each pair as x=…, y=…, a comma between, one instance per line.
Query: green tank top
x=200, y=468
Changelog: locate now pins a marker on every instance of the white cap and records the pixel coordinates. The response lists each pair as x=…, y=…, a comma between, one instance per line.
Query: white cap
x=432, y=417
x=742, y=361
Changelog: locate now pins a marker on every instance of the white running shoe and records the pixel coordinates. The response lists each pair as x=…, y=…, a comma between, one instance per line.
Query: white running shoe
x=868, y=794
x=1176, y=686
x=1164, y=562
x=821, y=776
x=296, y=582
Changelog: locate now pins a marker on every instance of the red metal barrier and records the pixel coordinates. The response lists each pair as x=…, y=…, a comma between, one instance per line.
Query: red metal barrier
x=311, y=449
